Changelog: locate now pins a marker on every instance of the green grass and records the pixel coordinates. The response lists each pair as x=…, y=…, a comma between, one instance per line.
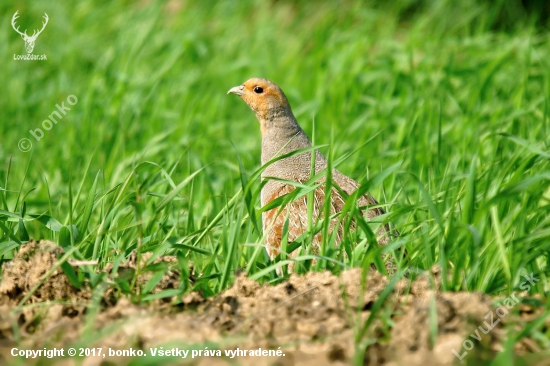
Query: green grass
x=441, y=112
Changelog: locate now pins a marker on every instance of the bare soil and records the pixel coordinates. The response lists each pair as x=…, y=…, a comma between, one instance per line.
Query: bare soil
x=313, y=319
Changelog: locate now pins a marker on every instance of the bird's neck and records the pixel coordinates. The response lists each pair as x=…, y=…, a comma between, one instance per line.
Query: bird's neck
x=281, y=134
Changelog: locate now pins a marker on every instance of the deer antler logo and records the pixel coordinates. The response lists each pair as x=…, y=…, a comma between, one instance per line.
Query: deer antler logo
x=29, y=40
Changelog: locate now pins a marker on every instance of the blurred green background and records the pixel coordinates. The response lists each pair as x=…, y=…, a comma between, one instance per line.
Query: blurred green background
x=453, y=99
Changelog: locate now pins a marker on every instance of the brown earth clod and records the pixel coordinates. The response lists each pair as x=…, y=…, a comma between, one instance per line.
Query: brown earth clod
x=314, y=317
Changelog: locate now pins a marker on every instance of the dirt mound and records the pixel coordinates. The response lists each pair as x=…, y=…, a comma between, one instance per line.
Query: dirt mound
x=26, y=270
x=312, y=319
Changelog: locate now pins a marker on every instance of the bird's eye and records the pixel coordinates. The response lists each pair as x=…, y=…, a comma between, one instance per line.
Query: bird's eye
x=258, y=90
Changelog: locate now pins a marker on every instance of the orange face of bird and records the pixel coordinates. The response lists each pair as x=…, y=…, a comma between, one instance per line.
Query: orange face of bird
x=264, y=97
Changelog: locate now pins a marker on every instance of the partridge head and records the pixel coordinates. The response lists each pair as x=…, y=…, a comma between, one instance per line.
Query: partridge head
x=266, y=100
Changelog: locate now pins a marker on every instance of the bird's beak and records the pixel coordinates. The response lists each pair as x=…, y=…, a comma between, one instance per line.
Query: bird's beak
x=238, y=90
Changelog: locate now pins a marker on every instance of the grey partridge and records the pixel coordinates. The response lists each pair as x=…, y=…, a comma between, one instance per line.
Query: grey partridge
x=281, y=135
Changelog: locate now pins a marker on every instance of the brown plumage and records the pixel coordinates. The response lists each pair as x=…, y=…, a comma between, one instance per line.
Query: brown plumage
x=281, y=134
